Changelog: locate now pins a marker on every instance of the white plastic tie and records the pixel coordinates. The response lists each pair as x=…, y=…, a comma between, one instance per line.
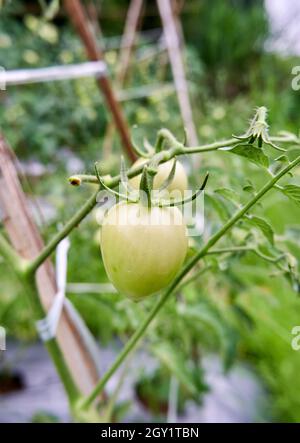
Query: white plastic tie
x=47, y=326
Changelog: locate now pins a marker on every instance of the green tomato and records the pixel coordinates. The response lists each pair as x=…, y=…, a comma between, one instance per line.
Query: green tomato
x=142, y=249
x=179, y=182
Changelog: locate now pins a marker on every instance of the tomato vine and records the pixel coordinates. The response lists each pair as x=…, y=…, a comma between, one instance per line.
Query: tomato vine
x=249, y=145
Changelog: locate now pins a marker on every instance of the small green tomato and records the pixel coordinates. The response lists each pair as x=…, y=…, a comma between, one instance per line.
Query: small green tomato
x=142, y=248
x=179, y=182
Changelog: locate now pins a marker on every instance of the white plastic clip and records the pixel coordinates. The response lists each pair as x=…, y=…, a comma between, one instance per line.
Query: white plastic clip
x=47, y=326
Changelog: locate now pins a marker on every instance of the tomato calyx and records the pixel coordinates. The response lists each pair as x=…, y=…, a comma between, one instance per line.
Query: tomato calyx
x=164, y=136
x=258, y=131
x=145, y=195
x=171, y=203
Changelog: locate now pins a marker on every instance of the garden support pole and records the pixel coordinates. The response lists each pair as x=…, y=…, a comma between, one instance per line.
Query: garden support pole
x=92, y=11
x=81, y=24
x=26, y=240
x=128, y=39
x=127, y=44
x=177, y=65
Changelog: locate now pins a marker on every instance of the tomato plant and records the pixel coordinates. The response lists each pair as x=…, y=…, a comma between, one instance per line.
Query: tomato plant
x=144, y=243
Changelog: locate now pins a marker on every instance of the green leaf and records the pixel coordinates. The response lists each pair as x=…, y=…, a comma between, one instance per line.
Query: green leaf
x=229, y=194
x=264, y=227
x=253, y=154
x=292, y=192
x=218, y=205
x=176, y=362
x=208, y=314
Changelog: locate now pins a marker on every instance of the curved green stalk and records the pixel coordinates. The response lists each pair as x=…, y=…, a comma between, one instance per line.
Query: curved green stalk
x=188, y=199
x=19, y=266
x=139, y=151
x=111, y=191
x=74, y=221
x=193, y=277
x=177, y=149
x=229, y=250
x=79, y=179
x=246, y=249
x=73, y=394
x=12, y=257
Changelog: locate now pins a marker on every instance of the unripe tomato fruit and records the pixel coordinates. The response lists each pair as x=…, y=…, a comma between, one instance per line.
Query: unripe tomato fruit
x=179, y=182
x=142, y=248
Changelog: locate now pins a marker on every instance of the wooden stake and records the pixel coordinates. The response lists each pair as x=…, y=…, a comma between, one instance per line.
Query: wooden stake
x=177, y=65
x=81, y=24
x=127, y=44
x=94, y=19
x=128, y=39
x=25, y=238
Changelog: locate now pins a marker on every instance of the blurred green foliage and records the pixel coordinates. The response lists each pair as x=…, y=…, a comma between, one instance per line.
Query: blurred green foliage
x=229, y=38
x=243, y=311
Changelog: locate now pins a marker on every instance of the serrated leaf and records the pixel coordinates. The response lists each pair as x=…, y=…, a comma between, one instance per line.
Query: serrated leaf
x=253, y=154
x=264, y=227
x=229, y=194
x=292, y=192
x=208, y=314
x=175, y=361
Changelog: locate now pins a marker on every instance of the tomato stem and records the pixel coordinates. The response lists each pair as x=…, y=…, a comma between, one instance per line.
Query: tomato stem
x=255, y=251
x=146, y=187
x=111, y=191
x=112, y=182
x=138, y=150
x=51, y=345
x=179, y=149
x=18, y=263
x=71, y=224
x=20, y=267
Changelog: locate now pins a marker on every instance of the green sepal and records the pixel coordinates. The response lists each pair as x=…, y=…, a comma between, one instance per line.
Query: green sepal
x=163, y=204
x=124, y=177
x=111, y=191
x=146, y=187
